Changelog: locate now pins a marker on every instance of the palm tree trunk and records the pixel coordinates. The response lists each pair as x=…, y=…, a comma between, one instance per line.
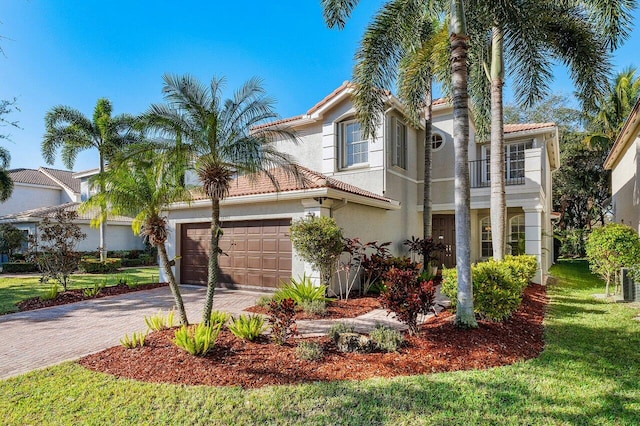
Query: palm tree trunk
x=465, y=317
x=175, y=290
x=427, y=209
x=102, y=226
x=498, y=198
x=213, y=274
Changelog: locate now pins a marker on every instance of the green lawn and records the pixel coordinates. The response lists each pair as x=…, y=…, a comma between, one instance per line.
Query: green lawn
x=13, y=290
x=589, y=373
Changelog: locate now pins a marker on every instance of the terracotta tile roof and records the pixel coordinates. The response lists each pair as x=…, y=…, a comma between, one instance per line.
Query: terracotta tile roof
x=64, y=176
x=277, y=122
x=261, y=184
x=39, y=177
x=523, y=127
x=439, y=101
x=345, y=85
x=50, y=211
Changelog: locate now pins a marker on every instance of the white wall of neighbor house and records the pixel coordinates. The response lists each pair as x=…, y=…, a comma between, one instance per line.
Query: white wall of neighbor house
x=27, y=197
x=625, y=186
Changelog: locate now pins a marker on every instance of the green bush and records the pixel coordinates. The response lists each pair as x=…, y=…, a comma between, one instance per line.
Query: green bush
x=523, y=267
x=337, y=329
x=197, y=339
x=132, y=262
x=94, y=291
x=19, y=267
x=300, y=291
x=247, y=327
x=309, y=351
x=263, y=301
x=135, y=340
x=218, y=318
x=610, y=248
x=314, y=307
x=497, y=289
x=94, y=266
x=386, y=339
x=52, y=293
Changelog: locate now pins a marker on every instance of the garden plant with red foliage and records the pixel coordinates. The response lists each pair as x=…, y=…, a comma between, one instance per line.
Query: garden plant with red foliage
x=439, y=346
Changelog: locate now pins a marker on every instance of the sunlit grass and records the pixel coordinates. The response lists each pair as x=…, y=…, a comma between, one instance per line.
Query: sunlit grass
x=13, y=290
x=589, y=373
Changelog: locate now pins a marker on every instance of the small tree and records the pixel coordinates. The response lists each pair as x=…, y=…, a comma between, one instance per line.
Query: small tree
x=11, y=239
x=318, y=240
x=54, y=248
x=610, y=248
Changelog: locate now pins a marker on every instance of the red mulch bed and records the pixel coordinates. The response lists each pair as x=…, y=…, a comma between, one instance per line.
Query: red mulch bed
x=72, y=296
x=335, y=309
x=438, y=347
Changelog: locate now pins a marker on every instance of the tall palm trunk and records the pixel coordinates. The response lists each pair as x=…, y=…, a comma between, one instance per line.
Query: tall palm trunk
x=465, y=317
x=427, y=209
x=213, y=274
x=103, y=223
x=498, y=198
x=175, y=291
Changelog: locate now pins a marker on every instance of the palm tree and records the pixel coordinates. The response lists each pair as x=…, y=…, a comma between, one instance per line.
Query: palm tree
x=224, y=139
x=70, y=131
x=142, y=186
x=6, y=184
x=397, y=32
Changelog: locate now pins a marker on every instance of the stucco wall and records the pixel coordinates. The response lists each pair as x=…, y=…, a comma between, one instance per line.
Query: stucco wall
x=27, y=197
x=625, y=186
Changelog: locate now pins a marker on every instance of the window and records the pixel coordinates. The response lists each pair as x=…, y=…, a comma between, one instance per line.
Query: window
x=355, y=149
x=514, y=161
x=436, y=141
x=399, y=144
x=485, y=237
x=517, y=239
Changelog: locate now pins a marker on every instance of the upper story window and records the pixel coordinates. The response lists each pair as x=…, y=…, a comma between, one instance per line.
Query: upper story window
x=437, y=141
x=399, y=144
x=514, y=160
x=355, y=149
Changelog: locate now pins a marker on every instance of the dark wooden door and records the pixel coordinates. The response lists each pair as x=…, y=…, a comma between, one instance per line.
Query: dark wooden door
x=444, y=229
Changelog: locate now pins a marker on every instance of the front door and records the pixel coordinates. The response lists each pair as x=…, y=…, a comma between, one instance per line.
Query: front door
x=444, y=229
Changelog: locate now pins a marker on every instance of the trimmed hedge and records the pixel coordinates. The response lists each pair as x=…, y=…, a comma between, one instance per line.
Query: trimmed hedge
x=497, y=286
x=95, y=266
x=17, y=267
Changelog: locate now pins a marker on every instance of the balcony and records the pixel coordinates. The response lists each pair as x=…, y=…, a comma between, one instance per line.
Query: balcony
x=514, y=172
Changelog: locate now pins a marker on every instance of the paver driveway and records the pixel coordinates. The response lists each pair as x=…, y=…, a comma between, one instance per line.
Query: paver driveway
x=40, y=338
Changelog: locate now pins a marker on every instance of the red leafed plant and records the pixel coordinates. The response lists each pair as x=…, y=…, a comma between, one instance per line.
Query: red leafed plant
x=283, y=325
x=408, y=294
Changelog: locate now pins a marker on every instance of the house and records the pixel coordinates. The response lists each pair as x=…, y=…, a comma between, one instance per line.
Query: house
x=39, y=193
x=624, y=164
x=373, y=189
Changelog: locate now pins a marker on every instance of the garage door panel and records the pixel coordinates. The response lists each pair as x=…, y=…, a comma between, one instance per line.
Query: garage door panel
x=259, y=252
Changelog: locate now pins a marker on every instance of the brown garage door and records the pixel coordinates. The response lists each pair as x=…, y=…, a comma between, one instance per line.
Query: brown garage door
x=258, y=253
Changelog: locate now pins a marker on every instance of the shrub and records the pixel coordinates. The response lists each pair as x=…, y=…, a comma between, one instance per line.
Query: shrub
x=247, y=327
x=300, y=291
x=263, y=301
x=159, y=321
x=309, y=351
x=197, y=339
x=52, y=293
x=338, y=328
x=425, y=248
x=408, y=295
x=283, y=325
x=11, y=239
x=374, y=265
x=386, y=339
x=318, y=240
x=523, y=267
x=135, y=340
x=218, y=318
x=95, y=266
x=315, y=307
x=94, y=291
x=610, y=248
x=132, y=262
x=497, y=290
x=18, y=267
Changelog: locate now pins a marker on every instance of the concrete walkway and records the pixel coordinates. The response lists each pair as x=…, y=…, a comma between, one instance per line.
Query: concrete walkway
x=44, y=337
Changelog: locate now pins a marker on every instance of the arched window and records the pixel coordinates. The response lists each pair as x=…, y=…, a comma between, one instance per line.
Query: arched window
x=437, y=141
x=517, y=239
x=485, y=237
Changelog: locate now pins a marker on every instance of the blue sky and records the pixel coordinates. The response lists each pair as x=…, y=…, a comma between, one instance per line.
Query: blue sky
x=74, y=52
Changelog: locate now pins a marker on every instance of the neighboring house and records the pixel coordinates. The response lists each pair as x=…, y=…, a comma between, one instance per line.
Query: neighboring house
x=39, y=193
x=373, y=189
x=624, y=164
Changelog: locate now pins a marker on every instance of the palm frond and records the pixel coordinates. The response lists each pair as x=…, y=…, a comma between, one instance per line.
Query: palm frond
x=6, y=185
x=337, y=12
